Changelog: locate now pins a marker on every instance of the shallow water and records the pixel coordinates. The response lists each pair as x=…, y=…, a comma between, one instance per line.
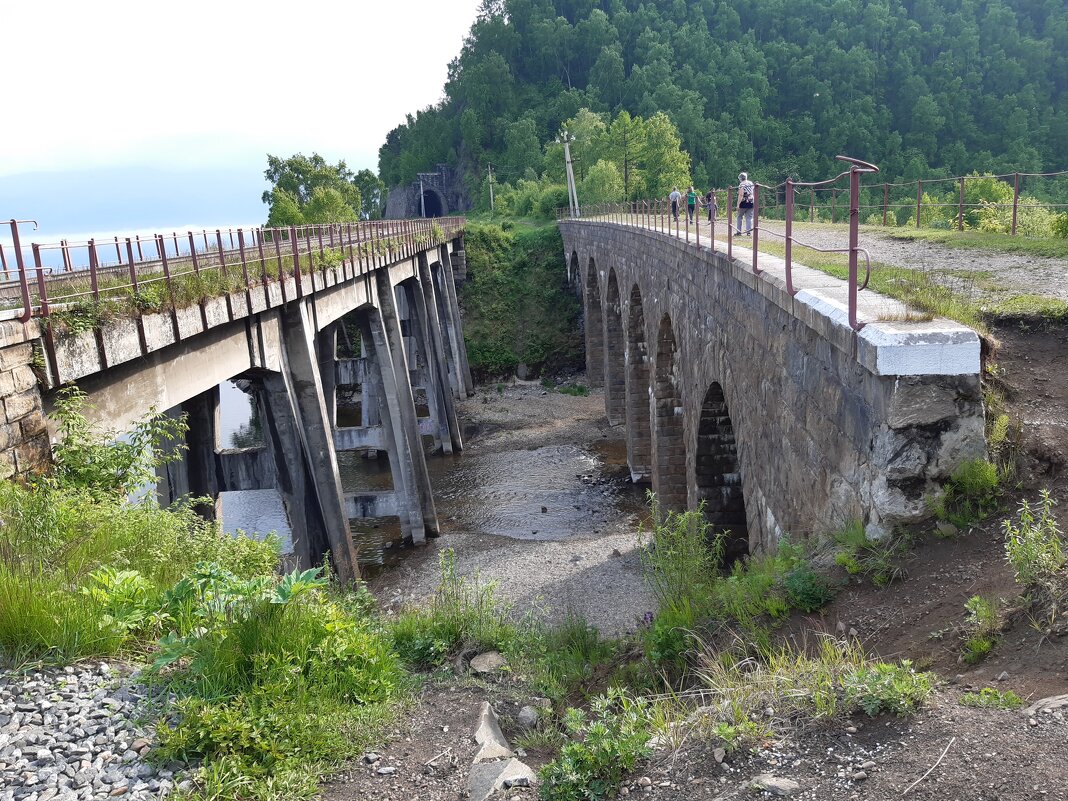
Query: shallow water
x=536, y=493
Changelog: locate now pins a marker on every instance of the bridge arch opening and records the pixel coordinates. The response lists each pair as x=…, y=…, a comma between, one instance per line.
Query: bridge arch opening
x=594, y=328
x=433, y=203
x=718, y=476
x=615, y=376
x=573, y=271
x=669, y=477
x=639, y=437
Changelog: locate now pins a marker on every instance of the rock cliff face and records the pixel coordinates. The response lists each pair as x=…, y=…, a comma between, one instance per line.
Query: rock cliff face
x=443, y=192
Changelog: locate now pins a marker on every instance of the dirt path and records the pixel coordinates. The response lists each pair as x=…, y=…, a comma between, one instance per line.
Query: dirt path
x=988, y=274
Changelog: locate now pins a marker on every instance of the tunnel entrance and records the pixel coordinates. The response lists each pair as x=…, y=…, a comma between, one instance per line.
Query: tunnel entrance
x=718, y=477
x=433, y=204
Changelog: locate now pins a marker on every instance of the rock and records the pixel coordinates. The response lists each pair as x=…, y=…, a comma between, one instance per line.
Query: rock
x=859, y=776
x=489, y=736
x=616, y=552
x=1050, y=704
x=488, y=777
x=868, y=765
x=774, y=785
x=645, y=781
x=519, y=781
x=1002, y=676
x=489, y=662
x=386, y=771
x=528, y=718
x=947, y=529
x=719, y=754
x=140, y=745
x=371, y=757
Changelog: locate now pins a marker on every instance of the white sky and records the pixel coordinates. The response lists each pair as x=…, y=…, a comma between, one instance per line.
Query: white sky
x=209, y=84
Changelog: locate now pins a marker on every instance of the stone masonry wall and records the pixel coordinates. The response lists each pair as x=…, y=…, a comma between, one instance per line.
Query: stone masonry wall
x=821, y=439
x=24, y=444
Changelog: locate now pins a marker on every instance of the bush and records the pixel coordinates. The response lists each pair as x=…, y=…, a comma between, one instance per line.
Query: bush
x=462, y=612
x=862, y=556
x=989, y=698
x=883, y=687
x=981, y=628
x=970, y=494
x=1059, y=226
x=605, y=745
x=1035, y=547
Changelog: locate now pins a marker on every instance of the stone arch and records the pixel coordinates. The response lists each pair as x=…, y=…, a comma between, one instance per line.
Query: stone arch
x=669, y=443
x=433, y=204
x=639, y=437
x=594, y=328
x=717, y=473
x=573, y=271
x=615, y=400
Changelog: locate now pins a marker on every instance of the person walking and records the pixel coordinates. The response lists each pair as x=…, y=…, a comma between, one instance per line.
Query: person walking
x=691, y=204
x=712, y=204
x=676, y=198
x=746, y=193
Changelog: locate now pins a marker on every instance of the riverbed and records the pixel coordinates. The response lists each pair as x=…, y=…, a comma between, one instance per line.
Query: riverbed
x=540, y=502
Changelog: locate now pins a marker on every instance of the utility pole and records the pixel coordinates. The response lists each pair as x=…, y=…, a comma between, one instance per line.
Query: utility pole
x=572, y=194
x=422, y=199
x=489, y=169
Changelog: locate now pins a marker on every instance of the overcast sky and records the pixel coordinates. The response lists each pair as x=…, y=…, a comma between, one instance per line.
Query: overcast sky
x=213, y=86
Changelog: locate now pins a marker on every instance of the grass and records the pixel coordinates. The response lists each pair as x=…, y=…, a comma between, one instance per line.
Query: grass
x=989, y=698
x=1051, y=247
x=981, y=628
x=875, y=559
x=971, y=493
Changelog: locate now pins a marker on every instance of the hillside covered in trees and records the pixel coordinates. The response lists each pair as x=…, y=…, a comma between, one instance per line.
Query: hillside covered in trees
x=778, y=87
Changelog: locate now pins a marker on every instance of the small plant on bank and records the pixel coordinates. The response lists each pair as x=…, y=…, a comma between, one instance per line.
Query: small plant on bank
x=982, y=626
x=989, y=698
x=463, y=612
x=575, y=390
x=970, y=494
x=606, y=744
x=862, y=556
x=1037, y=553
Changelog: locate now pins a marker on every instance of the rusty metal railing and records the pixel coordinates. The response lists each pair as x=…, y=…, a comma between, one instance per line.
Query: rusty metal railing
x=657, y=215
x=163, y=273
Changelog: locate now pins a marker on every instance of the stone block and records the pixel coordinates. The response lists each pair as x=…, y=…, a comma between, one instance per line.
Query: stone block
x=33, y=455
x=919, y=402
x=23, y=378
x=32, y=424
x=15, y=355
x=18, y=406
x=7, y=384
x=7, y=464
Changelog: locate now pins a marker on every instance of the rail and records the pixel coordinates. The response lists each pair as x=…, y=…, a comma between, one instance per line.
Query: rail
x=658, y=215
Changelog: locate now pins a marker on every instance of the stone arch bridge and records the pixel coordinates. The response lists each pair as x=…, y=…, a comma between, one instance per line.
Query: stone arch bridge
x=767, y=406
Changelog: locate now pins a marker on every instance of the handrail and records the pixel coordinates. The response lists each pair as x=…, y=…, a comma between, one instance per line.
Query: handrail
x=653, y=214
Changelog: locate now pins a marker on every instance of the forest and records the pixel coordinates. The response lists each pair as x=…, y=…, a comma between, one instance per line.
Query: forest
x=923, y=88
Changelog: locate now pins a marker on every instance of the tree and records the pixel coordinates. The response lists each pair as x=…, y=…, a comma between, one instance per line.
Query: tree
x=602, y=184
x=665, y=164
x=624, y=143
x=372, y=195
x=309, y=190
x=328, y=206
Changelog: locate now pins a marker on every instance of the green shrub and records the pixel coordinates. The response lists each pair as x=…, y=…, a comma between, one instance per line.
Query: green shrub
x=970, y=494
x=1035, y=547
x=1059, y=226
x=567, y=656
x=981, y=628
x=605, y=745
x=806, y=589
x=883, y=687
x=463, y=611
x=872, y=558
x=989, y=698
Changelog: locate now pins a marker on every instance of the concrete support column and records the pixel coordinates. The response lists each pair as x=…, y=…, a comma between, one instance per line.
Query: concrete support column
x=173, y=477
x=396, y=434
x=416, y=353
x=326, y=352
x=299, y=402
x=406, y=402
x=456, y=331
x=427, y=307
x=201, y=464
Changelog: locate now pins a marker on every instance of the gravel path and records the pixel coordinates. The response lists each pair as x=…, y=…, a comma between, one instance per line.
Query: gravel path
x=77, y=733
x=595, y=572
x=978, y=273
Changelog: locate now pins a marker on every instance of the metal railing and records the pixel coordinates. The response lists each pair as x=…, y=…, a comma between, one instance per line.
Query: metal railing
x=658, y=215
x=134, y=276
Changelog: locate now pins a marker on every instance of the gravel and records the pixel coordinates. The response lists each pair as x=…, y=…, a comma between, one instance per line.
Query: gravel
x=77, y=733
x=999, y=274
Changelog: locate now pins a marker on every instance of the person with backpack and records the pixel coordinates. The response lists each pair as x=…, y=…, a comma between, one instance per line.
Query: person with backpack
x=746, y=193
x=691, y=204
x=712, y=204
